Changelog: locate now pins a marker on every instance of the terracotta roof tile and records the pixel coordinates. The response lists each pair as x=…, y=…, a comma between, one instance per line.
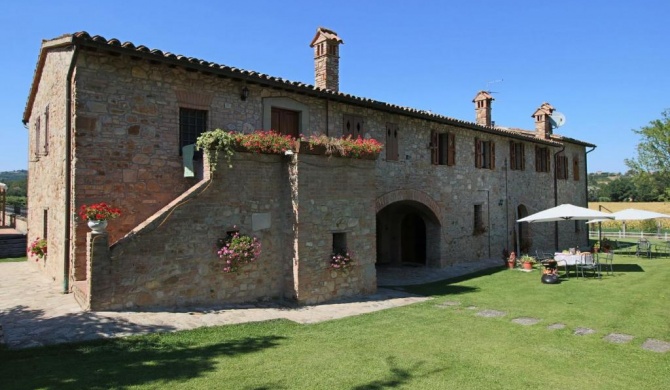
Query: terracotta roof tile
x=82, y=38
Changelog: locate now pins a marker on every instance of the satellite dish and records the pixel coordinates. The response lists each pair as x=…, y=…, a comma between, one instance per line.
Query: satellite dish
x=557, y=119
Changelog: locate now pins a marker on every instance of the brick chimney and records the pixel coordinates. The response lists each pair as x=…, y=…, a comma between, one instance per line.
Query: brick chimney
x=483, y=108
x=326, y=46
x=542, y=122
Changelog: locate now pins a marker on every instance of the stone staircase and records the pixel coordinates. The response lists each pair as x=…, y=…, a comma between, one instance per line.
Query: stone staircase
x=12, y=245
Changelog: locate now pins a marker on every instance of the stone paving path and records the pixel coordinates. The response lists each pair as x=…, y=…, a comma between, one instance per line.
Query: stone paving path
x=654, y=345
x=34, y=312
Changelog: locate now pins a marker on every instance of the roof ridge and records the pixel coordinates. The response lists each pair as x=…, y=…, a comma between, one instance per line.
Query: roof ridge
x=84, y=37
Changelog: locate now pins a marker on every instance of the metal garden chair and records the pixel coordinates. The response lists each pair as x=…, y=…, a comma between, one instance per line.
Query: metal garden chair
x=588, y=262
x=643, y=247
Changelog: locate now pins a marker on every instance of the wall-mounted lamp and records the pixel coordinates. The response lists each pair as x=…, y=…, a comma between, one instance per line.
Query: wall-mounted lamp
x=244, y=94
x=501, y=202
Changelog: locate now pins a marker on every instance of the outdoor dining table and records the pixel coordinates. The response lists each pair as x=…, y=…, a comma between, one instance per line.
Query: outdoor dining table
x=567, y=260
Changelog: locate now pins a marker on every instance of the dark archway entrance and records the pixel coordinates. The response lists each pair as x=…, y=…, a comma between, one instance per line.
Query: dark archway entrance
x=408, y=232
x=413, y=239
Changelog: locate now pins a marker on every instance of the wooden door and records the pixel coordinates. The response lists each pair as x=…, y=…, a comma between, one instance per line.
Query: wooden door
x=286, y=122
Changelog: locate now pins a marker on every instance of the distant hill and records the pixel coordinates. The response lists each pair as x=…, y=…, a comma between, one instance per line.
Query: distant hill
x=8, y=176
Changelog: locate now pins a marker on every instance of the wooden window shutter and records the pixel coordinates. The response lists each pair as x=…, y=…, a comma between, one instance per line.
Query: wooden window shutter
x=396, y=152
x=353, y=125
x=359, y=128
x=537, y=159
x=434, y=148
x=37, y=137
x=451, y=149
x=547, y=159
x=523, y=157
x=348, y=126
x=492, y=147
x=391, y=142
x=478, y=153
x=512, y=155
x=46, y=131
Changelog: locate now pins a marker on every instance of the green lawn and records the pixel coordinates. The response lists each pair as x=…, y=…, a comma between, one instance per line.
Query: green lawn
x=13, y=259
x=422, y=346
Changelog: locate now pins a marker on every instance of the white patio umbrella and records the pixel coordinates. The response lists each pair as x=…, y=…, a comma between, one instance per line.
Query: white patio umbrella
x=566, y=212
x=633, y=215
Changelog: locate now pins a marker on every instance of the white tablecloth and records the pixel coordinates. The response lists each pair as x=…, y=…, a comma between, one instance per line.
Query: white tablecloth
x=567, y=258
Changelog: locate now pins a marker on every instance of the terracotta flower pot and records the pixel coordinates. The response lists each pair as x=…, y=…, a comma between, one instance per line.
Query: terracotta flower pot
x=528, y=266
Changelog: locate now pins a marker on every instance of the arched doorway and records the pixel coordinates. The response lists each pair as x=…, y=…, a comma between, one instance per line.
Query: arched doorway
x=408, y=233
x=413, y=239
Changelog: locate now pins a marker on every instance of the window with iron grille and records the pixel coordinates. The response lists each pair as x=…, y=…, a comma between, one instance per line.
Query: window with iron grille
x=542, y=159
x=561, y=167
x=517, y=156
x=442, y=148
x=485, y=154
x=192, y=123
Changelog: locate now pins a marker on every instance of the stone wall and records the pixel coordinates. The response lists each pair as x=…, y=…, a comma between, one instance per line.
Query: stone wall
x=46, y=162
x=126, y=153
x=170, y=259
x=342, y=204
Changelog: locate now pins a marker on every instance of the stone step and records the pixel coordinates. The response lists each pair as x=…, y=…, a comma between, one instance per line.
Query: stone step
x=12, y=245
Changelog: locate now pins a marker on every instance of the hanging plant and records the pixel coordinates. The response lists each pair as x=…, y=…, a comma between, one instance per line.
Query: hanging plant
x=238, y=249
x=215, y=143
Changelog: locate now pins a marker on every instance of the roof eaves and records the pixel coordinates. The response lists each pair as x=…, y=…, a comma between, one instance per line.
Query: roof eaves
x=62, y=41
x=83, y=39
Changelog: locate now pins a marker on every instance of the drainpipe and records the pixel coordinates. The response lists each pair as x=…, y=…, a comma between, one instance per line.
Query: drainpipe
x=68, y=170
x=556, y=195
x=586, y=185
x=506, y=209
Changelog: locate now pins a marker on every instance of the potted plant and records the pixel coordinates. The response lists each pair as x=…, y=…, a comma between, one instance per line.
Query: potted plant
x=341, y=260
x=511, y=261
x=606, y=245
x=238, y=249
x=528, y=262
x=596, y=247
x=38, y=248
x=97, y=215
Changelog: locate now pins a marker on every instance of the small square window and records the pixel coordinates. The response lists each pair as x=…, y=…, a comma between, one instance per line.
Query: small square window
x=340, y=243
x=192, y=123
x=478, y=222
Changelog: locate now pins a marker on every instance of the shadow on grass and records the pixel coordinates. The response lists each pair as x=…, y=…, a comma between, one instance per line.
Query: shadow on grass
x=627, y=268
x=447, y=287
x=397, y=377
x=24, y=327
x=121, y=363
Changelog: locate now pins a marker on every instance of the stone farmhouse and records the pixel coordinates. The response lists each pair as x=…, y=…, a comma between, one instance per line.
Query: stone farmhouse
x=108, y=121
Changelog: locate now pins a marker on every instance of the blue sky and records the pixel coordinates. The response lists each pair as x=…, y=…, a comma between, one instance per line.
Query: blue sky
x=604, y=64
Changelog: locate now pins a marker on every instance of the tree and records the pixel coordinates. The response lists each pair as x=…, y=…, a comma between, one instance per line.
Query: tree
x=619, y=190
x=653, y=151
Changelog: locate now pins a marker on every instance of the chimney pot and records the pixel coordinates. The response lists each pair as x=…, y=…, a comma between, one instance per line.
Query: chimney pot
x=326, y=46
x=482, y=102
